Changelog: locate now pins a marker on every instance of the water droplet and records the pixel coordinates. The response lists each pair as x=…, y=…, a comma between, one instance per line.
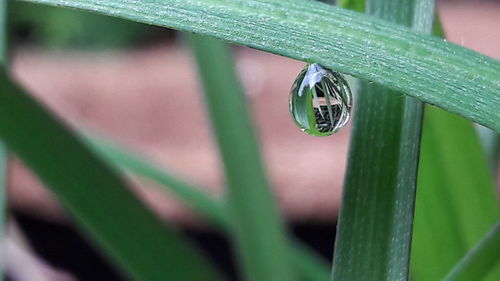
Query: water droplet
x=320, y=100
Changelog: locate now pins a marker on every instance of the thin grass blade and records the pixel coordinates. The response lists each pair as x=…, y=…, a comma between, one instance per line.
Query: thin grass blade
x=481, y=260
x=95, y=196
x=258, y=231
x=425, y=67
x=208, y=206
x=376, y=217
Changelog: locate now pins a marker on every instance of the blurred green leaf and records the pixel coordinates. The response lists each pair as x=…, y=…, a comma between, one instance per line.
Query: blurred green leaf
x=425, y=67
x=481, y=260
x=195, y=197
x=310, y=266
x=96, y=197
x=3, y=32
x=257, y=229
x=375, y=222
x=456, y=202
x=354, y=5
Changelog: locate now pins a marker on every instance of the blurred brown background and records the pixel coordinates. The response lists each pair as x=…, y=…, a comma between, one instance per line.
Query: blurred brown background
x=148, y=99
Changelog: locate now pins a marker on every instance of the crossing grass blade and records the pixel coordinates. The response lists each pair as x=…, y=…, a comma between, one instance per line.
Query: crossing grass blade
x=310, y=266
x=425, y=67
x=194, y=197
x=376, y=217
x=94, y=195
x=480, y=262
x=256, y=228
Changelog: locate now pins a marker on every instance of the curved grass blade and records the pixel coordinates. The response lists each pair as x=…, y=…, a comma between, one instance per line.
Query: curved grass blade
x=481, y=260
x=206, y=205
x=425, y=67
x=96, y=197
x=376, y=217
x=258, y=232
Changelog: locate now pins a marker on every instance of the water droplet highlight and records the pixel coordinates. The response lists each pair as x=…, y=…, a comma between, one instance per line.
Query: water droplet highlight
x=320, y=101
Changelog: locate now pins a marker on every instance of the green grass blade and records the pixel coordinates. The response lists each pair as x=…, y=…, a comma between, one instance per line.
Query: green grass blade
x=209, y=207
x=425, y=67
x=481, y=260
x=375, y=223
x=3, y=151
x=96, y=197
x=258, y=232
x=310, y=266
x=456, y=202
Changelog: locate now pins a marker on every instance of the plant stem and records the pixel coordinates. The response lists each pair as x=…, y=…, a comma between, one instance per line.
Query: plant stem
x=257, y=229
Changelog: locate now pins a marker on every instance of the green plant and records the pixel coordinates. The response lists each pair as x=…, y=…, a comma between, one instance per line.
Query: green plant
x=402, y=62
x=383, y=161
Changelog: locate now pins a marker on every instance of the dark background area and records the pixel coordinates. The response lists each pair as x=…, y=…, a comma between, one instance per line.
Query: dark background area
x=64, y=247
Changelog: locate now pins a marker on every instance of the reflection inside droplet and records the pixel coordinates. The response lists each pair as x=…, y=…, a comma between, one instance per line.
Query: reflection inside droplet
x=320, y=100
